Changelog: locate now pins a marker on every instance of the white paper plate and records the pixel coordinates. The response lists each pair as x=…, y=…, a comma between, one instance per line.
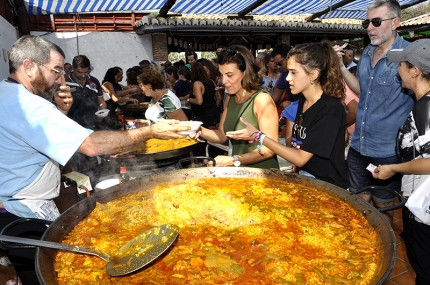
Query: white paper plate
x=107, y=183
x=102, y=113
x=186, y=132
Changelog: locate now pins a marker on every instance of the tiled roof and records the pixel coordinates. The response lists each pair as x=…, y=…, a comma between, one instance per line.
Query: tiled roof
x=293, y=21
x=417, y=21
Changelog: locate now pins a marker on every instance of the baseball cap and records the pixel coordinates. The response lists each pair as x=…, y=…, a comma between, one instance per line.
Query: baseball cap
x=417, y=53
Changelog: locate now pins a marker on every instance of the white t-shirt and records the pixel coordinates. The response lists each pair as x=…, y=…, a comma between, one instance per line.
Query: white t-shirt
x=168, y=103
x=32, y=131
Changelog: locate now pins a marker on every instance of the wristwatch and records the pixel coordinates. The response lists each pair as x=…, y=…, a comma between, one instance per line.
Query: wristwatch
x=236, y=160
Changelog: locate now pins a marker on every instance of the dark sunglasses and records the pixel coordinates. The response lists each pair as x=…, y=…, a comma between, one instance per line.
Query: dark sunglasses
x=229, y=51
x=376, y=22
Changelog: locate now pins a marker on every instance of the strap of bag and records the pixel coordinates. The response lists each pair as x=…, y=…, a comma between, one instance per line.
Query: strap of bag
x=252, y=98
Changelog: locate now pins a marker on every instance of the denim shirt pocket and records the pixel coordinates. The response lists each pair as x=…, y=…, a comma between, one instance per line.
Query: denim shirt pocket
x=385, y=79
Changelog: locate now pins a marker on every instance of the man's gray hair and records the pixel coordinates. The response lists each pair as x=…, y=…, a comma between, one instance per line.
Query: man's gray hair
x=31, y=47
x=262, y=55
x=392, y=5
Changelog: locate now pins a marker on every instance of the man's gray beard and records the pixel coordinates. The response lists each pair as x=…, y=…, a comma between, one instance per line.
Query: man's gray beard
x=41, y=87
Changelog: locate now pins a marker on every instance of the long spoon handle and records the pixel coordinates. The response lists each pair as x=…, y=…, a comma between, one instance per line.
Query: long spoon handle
x=56, y=245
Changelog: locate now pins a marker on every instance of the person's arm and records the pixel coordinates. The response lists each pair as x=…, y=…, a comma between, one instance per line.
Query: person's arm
x=184, y=97
x=296, y=156
x=267, y=117
x=108, y=142
x=101, y=102
x=178, y=115
x=108, y=88
x=416, y=166
x=350, y=79
x=216, y=136
x=288, y=132
x=278, y=94
x=198, y=91
x=351, y=114
x=127, y=91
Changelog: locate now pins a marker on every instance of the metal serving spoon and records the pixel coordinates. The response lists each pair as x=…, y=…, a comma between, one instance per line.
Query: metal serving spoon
x=132, y=256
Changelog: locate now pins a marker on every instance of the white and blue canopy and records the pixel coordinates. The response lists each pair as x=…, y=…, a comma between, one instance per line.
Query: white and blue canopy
x=354, y=9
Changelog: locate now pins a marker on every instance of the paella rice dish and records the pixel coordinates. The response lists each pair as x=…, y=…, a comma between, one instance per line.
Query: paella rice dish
x=157, y=145
x=231, y=231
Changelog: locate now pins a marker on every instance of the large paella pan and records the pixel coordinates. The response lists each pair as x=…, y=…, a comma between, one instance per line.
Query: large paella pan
x=66, y=223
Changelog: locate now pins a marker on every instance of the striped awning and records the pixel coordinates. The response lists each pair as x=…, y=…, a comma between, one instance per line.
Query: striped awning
x=354, y=10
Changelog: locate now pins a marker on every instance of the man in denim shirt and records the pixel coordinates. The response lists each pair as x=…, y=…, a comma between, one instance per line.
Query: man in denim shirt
x=384, y=105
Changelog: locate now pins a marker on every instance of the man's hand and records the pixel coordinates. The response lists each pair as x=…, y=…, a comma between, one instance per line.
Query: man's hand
x=383, y=172
x=339, y=50
x=166, y=129
x=63, y=97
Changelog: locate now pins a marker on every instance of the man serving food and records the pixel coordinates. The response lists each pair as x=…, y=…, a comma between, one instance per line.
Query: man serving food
x=37, y=137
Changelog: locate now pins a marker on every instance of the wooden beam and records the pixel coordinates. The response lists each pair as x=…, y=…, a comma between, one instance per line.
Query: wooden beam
x=242, y=14
x=23, y=17
x=266, y=39
x=331, y=8
x=251, y=7
x=166, y=8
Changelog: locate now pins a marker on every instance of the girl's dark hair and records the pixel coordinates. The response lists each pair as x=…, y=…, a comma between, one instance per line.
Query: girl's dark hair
x=198, y=73
x=132, y=78
x=424, y=74
x=153, y=78
x=179, y=63
x=185, y=72
x=245, y=62
x=110, y=74
x=214, y=73
x=172, y=70
x=322, y=57
x=266, y=60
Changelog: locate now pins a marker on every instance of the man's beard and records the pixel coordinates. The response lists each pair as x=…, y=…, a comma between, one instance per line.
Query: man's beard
x=41, y=87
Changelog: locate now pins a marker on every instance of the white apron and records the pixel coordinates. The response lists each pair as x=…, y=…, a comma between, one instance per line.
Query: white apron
x=38, y=195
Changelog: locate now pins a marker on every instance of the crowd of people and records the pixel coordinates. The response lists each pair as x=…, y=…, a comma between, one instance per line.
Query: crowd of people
x=378, y=105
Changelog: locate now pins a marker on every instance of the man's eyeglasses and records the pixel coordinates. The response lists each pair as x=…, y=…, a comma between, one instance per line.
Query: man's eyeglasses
x=376, y=22
x=279, y=63
x=57, y=72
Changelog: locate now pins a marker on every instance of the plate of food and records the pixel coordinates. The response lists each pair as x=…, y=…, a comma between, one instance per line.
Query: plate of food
x=102, y=113
x=194, y=126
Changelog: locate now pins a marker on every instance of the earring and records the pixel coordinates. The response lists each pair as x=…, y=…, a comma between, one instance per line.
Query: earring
x=312, y=82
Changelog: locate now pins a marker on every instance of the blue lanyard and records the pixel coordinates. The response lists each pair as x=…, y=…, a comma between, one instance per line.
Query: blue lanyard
x=13, y=80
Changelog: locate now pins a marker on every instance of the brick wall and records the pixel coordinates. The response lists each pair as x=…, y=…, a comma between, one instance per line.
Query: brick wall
x=159, y=46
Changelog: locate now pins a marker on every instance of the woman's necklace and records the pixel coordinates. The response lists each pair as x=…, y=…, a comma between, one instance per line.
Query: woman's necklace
x=240, y=99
